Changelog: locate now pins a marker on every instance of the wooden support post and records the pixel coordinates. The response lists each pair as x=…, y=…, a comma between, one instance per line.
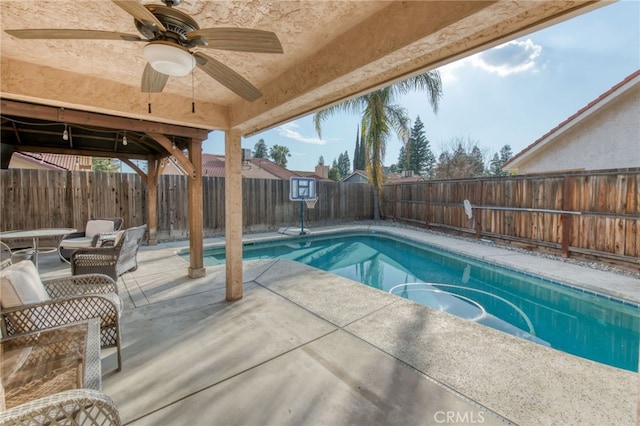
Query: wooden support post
x=196, y=234
x=152, y=200
x=233, y=214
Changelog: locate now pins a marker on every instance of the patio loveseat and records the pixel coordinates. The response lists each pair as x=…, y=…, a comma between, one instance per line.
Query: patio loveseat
x=31, y=304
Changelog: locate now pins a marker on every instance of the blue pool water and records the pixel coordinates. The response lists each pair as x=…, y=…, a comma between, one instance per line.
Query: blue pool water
x=573, y=321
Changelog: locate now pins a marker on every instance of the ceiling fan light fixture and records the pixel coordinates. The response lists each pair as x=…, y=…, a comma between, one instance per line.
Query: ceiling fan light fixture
x=168, y=58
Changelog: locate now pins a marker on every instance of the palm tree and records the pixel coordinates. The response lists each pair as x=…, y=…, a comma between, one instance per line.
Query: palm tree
x=380, y=116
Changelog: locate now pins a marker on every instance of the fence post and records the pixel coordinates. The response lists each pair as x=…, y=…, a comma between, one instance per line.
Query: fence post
x=426, y=206
x=566, y=217
x=478, y=212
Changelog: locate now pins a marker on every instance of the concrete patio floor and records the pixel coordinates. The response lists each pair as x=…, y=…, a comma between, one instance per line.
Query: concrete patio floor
x=306, y=347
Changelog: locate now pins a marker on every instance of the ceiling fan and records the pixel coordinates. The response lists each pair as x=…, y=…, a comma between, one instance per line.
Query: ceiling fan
x=170, y=35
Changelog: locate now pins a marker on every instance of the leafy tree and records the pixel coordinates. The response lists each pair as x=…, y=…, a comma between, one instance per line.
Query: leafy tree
x=279, y=155
x=104, y=165
x=321, y=161
x=334, y=174
x=460, y=160
x=381, y=117
x=260, y=149
x=393, y=168
x=344, y=164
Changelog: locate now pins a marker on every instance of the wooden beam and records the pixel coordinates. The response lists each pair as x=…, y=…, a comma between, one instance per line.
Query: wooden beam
x=233, y=214
x=71, y=116
x=136, y=169
x=196, y=206
x=187, y=165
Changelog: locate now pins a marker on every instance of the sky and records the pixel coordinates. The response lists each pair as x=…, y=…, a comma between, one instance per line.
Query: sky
x=508, y=95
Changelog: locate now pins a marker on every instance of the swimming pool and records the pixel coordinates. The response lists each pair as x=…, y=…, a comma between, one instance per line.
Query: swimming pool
x=549, y=313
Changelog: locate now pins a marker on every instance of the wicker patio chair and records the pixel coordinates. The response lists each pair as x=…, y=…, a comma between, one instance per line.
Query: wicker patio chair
x=110, y=260
x=30, y=304
x=72, y=407
x=90, y=237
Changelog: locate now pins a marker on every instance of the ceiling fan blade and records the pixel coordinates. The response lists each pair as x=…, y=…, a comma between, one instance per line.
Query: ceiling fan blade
x=238, y=39
x=152, y=80
x=71, y=34
x=140, y=12
x=227, y=77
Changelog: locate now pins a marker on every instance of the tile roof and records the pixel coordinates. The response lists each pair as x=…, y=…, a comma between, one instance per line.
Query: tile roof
x=58, y=161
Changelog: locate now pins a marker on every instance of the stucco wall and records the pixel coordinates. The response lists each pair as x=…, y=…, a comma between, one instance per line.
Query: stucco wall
x=608, y=139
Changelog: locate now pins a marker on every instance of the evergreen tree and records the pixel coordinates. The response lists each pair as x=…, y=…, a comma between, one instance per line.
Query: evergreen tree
x=321, y=161
x=403, y=163
x=505, y=153
x=495, y=166
x=420, y=159
x=260, y=149
x=498, y=160
x=344, y=164
x=279, y=155
x=477, y=160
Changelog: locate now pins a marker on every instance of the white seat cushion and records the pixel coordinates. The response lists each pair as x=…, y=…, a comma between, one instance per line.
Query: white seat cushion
x=21, y=285
x=79, y=242
x=97, y=226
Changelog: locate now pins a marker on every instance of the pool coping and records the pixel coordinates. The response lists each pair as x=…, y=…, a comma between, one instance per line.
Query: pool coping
x=592, y=281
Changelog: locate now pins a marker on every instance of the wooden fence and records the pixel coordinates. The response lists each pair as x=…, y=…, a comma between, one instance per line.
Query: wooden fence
x=596, y=214
x=40, y=199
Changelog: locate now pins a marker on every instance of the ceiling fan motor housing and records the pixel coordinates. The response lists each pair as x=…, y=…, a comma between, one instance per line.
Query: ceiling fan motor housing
x=177, y=23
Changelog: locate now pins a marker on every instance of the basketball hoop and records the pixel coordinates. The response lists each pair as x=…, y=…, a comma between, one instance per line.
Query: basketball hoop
x=310, y=202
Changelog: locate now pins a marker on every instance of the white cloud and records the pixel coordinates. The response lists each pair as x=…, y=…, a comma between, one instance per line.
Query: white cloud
x=509, y=58
x=290, y=130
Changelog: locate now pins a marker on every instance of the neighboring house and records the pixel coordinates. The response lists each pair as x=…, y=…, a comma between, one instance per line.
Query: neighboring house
x=403, y=177
x=255, y=168
x=605, y=134
x=358, y=176
x=33, y=160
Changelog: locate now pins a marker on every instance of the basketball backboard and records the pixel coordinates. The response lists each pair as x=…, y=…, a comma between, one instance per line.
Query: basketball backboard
x=301, y=188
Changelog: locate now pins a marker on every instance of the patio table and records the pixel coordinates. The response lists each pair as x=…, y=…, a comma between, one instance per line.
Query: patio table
x=43, y=363
x=35, y=235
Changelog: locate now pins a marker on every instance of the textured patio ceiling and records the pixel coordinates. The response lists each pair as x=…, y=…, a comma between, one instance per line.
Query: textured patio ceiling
x=333, y=50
